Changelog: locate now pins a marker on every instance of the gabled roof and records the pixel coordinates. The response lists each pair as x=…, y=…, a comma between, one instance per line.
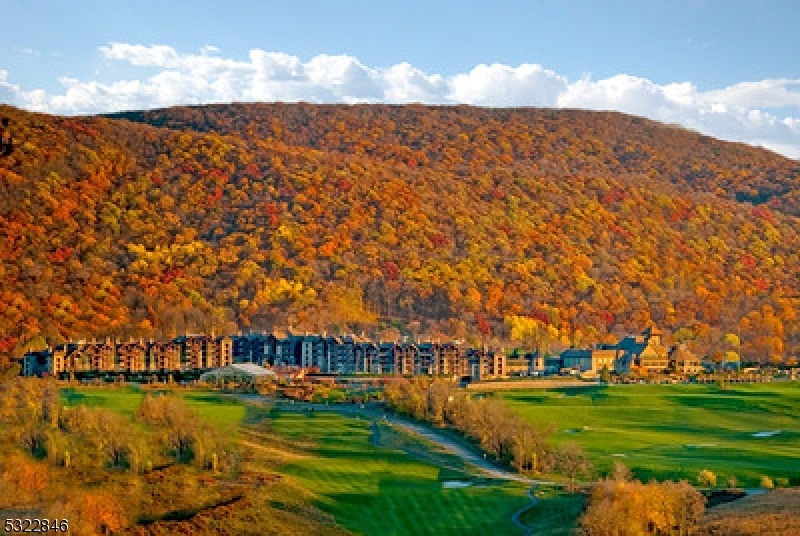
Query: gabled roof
x=239, y=369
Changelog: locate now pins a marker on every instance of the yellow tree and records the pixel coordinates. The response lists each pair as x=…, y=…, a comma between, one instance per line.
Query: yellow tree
x=532, y=332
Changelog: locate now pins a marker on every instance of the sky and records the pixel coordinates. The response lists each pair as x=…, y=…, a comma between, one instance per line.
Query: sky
x=730, y=69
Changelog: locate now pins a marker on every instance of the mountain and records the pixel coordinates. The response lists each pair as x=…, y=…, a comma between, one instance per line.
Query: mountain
x=442, y=221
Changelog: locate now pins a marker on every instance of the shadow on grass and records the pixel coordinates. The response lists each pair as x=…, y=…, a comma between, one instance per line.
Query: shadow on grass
x=189, y=513
x=213, y=399
x=565, y=395
x=556, y=512
x=73, y=397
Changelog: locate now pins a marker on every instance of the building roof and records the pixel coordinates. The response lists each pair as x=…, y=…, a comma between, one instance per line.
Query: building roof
x=239, y=370
x=652, y=330
x=576, y=352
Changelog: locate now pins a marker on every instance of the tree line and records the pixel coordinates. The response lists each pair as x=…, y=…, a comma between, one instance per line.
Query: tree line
x=497, y=430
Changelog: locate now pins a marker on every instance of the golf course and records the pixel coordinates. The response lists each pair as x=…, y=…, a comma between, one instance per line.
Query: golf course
x=371, y=477
x=396, y=487
x=741, y=431
x=349, y=470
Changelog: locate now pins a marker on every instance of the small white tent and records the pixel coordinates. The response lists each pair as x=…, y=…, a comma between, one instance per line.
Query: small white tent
x=238, y=372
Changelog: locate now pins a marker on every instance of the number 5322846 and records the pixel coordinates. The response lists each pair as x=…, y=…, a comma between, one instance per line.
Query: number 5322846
x=36, y=525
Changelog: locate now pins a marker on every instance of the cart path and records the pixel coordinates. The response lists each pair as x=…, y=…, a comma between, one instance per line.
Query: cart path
x=431, y=434
x=516, y=517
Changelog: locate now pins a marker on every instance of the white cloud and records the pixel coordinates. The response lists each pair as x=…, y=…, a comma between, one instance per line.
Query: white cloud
x=141, y=55
x=502, y=85
x=765, y=112
x=8, y=91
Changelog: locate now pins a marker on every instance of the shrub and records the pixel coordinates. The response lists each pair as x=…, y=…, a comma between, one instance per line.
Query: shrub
x=766, y=482
x=707, y=478
x=621, y=507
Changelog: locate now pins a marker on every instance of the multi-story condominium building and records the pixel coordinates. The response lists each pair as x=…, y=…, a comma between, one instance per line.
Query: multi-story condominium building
x=205, y=352
x=164, y=356
x=183, y=353
x=347, y=354
x=486, y=364
x=344, y=355
x=425, y=364
x=387, y=363
x=132, y=357
x=367, y=357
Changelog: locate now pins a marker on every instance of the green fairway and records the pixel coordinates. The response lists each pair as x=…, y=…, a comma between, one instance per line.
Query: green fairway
x=674, y=431
x=221, y=412
x=556, y=513
x=224, y=413
x=374, y=490
x=121, y=399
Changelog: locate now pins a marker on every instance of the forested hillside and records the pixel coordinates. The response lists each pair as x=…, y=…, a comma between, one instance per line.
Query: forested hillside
x=442, y=221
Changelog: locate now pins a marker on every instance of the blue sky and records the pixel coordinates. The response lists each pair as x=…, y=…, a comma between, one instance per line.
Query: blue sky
x=729, y=69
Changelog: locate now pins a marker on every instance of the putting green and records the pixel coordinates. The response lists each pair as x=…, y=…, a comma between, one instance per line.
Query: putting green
x=674, y=431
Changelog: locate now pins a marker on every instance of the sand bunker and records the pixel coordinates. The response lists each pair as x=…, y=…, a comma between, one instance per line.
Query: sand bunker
x=455, y=484
x=769, y=433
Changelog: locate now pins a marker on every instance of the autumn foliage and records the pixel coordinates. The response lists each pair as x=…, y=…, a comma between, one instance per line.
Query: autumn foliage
x=443, y=219
x=627, y=507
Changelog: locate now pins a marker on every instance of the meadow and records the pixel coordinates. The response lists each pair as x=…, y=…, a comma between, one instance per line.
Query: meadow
x=674, y=431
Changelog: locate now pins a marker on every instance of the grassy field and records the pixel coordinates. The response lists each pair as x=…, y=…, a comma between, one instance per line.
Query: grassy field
x=220, y=411
x=674, y=431
x=371, y=483
x=556, y=513
x=376, y=490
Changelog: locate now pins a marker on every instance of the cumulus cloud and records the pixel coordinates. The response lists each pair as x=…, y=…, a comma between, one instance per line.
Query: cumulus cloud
x=765, y=112
x=502, y=85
